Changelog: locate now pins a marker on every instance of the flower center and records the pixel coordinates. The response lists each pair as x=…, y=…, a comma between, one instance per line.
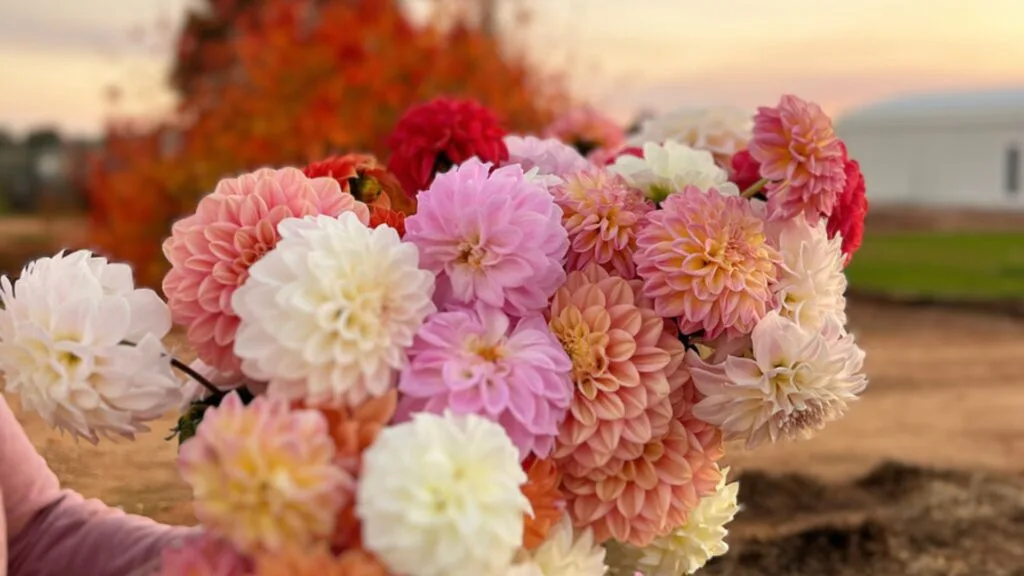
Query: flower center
x=365, y=189
x=811, y=418
x=471, y=254
x=587, y=360
x=489, y=352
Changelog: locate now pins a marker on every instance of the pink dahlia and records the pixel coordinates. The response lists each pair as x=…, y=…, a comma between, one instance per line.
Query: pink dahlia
x=203, y=556
x=494, y=237
x=587, y=130
x=626, y=362
x=550, y=156
x=479, y=361
x=704, y=259
x=801, y=157
x=602, y=215
x=211, y=251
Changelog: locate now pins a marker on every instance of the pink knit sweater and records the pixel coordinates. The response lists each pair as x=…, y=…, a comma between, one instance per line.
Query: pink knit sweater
x=46, y=531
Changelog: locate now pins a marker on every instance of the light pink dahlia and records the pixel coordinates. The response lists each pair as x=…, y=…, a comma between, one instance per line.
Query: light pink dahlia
x=211, y=251
x=264, y=476
x=203, y=556
x=801, y=157
x=626, y=362
x=550, y=156
x=602, y=215
x=479, y=361
x=493, y=237
x=704, y=259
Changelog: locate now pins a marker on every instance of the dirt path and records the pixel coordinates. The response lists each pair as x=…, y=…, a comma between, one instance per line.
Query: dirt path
x=946, y=391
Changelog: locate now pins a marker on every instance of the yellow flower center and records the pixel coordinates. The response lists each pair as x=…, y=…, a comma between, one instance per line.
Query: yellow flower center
x=471, y=254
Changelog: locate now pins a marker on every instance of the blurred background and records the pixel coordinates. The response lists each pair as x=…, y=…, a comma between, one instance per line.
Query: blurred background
x=117, y=115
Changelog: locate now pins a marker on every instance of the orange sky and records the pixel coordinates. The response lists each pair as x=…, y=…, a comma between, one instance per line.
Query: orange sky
x=56, y=56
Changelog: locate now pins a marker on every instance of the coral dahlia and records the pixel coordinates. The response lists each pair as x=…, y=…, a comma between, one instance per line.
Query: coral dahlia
x=602, y=215
x=432, y=137
x=364, y=177
x=705, y=260
x=547, y=506
x=212, y=250
x=480, y=361
x=801, y=157
x=494, y=237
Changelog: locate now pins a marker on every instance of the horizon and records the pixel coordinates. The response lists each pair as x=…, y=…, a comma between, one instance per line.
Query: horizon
x=655, y=56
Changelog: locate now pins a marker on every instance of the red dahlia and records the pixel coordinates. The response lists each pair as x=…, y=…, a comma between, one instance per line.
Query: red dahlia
x=364, y=177
x=745, y=170
x=430, y=138
x=851, y=208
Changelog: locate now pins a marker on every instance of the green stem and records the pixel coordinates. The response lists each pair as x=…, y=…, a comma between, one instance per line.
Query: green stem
x=753, y=190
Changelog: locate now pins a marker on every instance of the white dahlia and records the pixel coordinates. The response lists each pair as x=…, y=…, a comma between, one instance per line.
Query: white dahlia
x=722, y=131
x=796, y=382
x=82, y=346
x=689, y=547
x=441, y=495
x=811, y=284
x=327, y=314
x=567, y=552
x=669, y=167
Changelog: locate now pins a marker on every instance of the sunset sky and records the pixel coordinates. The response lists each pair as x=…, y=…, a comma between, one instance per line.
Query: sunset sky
x=57, y=56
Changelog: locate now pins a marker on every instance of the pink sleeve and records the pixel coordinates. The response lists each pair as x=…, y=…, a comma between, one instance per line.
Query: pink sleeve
x=55, y=532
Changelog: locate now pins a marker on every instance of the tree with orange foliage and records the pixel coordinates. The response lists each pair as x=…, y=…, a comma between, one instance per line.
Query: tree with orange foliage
x=304, y=79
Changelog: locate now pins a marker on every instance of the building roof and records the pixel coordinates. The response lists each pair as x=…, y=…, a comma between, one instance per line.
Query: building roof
x=936, y=108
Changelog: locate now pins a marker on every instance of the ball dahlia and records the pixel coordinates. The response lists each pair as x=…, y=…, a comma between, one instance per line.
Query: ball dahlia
x=441, y=496
x=586, y=130
x=847, y=219
x=722, y=131
x=82, y=347
x=667, y=168
x=624, y=363
x=494, y=237
x=480, y=361
x=327, y=315
x=796, y=381
x=432, y=137
x=602, y=215
x=263, y=476
x=800, y=156
x=705, y=260
x=212, y=250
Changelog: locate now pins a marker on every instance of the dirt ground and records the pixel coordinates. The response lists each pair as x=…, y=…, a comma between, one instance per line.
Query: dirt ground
x=925, y=476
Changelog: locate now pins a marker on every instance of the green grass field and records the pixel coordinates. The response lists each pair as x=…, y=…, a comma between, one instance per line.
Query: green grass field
x=946, y=265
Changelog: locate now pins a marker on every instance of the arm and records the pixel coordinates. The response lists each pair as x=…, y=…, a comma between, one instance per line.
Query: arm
x=55, y=532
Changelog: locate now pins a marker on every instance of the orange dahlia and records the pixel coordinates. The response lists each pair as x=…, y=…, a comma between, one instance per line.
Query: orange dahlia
x=365, y=178
x=541, y=489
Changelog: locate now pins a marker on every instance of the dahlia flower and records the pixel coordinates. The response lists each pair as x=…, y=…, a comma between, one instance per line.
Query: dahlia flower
x=704, y=258
x=549, y=156
x=263, y=476
x=82, y=346
x=441, y=495
x=364, y=177
x=847, y=219
x=432, y=137
x=491, y=237
x=211, y=251
x=318, y=562
x=567, y=552
x=670, y=167
x=796, y=382
x=811, y=282
x=202, y=556
x=625, y=360
x=602, y=216
x=746, y=172
x=480, y=361
x=327, y=315
x=586, y=130
x=546, y=502
x=722, y=131
x=635, y=501
x=800, y=156
x=687, y=548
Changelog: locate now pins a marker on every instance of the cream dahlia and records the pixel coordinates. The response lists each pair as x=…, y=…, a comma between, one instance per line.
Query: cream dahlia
x=82, y=347
x=796, y=381
x=263, y=475
x=441, y=495
x=625, y=360
x=722, y=131
x=668, y=168
x=480, y=361
x=602, y=215
x=566, y=552
x=705, y=260
x=493, y=237
x=327, y=315
x=211, y=251
x=811, y=283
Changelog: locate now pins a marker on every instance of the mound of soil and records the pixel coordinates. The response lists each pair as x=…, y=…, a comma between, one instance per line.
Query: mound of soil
x=898, y=519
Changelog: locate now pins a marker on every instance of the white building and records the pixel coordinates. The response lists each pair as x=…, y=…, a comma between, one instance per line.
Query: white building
x=959, y=150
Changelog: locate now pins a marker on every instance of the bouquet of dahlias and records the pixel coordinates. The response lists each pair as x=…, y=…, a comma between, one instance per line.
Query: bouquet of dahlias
x=491, y=356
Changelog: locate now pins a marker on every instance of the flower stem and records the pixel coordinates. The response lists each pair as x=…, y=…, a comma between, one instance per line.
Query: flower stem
x=194, y=375
x=753, y=190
